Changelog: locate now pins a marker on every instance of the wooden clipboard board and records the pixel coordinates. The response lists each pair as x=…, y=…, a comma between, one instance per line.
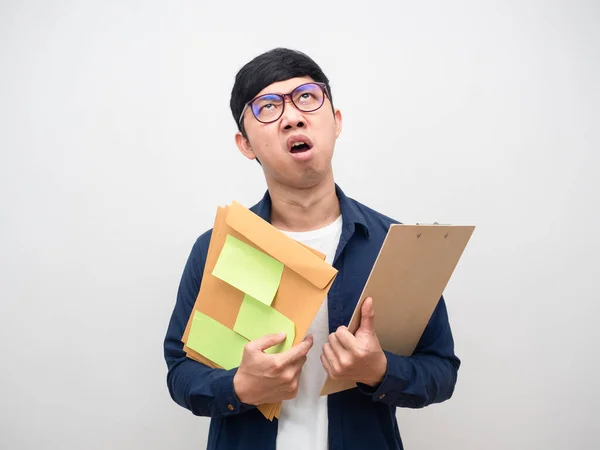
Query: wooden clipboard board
x=406, y=283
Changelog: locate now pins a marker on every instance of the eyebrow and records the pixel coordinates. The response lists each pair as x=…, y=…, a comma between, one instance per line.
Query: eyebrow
x=280, y=93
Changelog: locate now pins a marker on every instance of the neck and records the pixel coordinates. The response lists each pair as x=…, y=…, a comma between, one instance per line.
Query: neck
x=303, y=209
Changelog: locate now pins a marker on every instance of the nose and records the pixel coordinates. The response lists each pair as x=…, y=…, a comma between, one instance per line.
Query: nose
x=291, y=117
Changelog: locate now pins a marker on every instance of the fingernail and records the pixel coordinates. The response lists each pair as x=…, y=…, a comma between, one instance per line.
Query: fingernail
x=282, y=334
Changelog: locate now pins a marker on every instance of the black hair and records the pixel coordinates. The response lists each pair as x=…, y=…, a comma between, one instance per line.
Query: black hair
x=279, y=64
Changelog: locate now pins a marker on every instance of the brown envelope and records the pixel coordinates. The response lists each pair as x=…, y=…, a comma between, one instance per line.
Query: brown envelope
x=305, y=281
x=408, y=278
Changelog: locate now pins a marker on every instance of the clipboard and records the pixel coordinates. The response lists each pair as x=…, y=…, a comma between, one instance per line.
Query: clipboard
x=406, y=283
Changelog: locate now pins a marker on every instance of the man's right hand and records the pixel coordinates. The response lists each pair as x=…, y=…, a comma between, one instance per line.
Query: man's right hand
x=265, y=378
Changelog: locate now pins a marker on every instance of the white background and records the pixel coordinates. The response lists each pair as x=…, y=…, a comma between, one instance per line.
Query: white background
x=117, y=146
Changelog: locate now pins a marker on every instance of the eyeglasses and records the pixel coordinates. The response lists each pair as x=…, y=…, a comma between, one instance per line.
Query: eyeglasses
x=268, y=108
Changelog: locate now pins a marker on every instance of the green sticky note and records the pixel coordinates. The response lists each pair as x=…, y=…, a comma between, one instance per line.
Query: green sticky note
x=215, y=341
x=249, y=270
x=256, y=319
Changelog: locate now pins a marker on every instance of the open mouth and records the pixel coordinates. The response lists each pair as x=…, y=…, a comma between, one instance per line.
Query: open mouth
x=299, y=144
x=299, y=147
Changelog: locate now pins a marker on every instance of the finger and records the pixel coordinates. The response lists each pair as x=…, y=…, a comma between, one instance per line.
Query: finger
x=345, y=338
x=332, y=359
x=343, y=356
x=264, y=342
x=298, y=364
x=291, y=389
x=297, y=352
x=367, y=316
x=295, y=367
x=326, y=366
x=338, y=349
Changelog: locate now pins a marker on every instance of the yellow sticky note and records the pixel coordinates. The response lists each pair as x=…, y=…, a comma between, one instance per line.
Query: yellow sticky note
x=256, y=319
x=251, y=271
x=215, y=341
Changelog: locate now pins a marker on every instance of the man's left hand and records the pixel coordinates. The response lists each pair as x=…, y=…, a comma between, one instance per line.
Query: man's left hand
x=357, y=357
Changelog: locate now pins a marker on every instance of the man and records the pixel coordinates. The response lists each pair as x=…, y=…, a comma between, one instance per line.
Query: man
x=282, y=103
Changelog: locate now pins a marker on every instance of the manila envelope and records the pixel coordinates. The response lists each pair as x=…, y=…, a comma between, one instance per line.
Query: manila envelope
x=305, y=281
x=406, y=282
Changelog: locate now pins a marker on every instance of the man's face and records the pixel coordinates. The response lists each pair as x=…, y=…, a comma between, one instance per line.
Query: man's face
x=275, y=144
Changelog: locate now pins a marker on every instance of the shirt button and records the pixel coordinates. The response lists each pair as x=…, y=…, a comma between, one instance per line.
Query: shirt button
x=382, y=396
x=230, y=406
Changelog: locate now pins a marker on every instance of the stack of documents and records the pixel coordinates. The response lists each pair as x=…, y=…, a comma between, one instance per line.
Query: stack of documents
x=256, y=281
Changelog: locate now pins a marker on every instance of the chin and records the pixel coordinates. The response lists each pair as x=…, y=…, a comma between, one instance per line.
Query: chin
x=310, y=178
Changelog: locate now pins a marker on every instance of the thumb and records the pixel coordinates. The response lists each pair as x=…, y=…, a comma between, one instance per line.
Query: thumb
x=267, y=341
x=367, y=317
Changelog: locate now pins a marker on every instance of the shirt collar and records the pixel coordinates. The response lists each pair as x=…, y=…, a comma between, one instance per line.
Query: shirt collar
x=351, y=214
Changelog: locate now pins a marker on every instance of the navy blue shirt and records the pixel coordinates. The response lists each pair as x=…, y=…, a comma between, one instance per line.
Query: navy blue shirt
x=359, y=418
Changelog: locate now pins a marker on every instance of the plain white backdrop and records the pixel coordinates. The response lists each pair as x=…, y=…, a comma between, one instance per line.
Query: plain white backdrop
x=116, y=145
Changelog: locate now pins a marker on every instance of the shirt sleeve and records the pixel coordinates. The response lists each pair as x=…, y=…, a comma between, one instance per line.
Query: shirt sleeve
x=428, y=376
x=203, y=390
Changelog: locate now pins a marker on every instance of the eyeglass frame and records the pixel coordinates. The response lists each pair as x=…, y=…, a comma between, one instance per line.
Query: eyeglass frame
x=323, y=87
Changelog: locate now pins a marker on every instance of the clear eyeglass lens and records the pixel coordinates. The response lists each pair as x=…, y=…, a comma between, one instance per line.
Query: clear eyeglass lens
x=308, y=97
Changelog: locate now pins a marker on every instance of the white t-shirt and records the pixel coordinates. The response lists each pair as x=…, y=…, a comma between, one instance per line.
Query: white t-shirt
x=303, y=420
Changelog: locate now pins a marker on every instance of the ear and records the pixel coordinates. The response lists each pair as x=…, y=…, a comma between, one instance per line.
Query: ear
x=338, y=122
x=243, y=144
